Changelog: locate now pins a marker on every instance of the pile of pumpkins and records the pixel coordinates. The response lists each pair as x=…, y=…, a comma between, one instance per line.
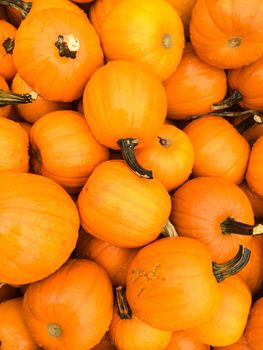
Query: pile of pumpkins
x=131, y=174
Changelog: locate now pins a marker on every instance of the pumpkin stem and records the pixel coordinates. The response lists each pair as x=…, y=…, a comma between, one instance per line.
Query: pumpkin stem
x=164, y=142
x=67, y=45
x=54, y=330
x=167, y=41
x=127, y=149
x=169, y=230
x=9, y=98
x=21, y=6
x=231, y=114
x=233, y=266
x=9, y=45
x=232, y=226
x=228, y=102
x=124, y=309
x=248, y=123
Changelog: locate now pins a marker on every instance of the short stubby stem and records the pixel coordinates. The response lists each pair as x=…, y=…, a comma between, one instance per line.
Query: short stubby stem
x=234, y=42
x=21, y=6
x=54, y=330
x=9, y=98
x=164, y=142
x=68, y=46
x=228, y=102
x=124, y=309
x=9, y=45
x=167, y=41
x=230, y=226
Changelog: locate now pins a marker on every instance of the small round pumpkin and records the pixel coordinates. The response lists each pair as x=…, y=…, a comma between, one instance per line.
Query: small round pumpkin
x=223, y=34
x=148, y=32
x=255, y=200
x=40, y=223
x=64, y=149
x=119, y=207
x=254, y=175
x=59, y=309
x=254, y=326
x=241, y=344
x=7, y=34
x=181, y=340
x=194, y=86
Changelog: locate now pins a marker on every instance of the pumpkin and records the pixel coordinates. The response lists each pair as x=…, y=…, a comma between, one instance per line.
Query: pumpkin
x=4, y=107
x=241, y=344
x=7, y=33
x=254, y=326
x=223, y=34
x=167, y=277
x=64, y=149
x=13, y=332
x=194, y=86
x=115, y=260
x=228, y=322
x=181, y=340
x=60, y=309
x=255, y=200
x=216, y=212
x=39, y=107
x=219, y=150
x=148, y=32
x=254, y=175
x=7, y=292
x=125, y=105
x=69, y=52
x=170, y=156
x=39, y=227
x=105, y=343
x=119, y=207
x=129, y=333
x=14, y=147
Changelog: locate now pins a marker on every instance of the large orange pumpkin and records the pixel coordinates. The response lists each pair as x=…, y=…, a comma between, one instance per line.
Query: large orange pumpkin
x=69, y=52
x=39, y=227
x=121, y=208
x=64, y=149
x=223, y=33
x=7, y=34
x=148, y=32
x=254, y=175
x=181, y=340
x=70, y=309
x=216, y=212
x=254, y=326
x=194, y=86
x=125, y=105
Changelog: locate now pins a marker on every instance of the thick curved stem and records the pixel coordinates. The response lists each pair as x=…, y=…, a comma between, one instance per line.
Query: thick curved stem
x=124, y=309
x=9, y=98
x=21, y=6
x=127, y=149
x=9, y=45
x=169, y=230
x=228, y=102
x=231, y=226
x=232, y=267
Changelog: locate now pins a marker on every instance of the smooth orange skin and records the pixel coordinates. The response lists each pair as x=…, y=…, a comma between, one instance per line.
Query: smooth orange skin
x=165, y=280
x=5, y=110
x=254, y=175
x=78, y=297
x=133, y=334
x=115, y=260
x=219, y=150
x=67, y=149
x=134, y=31
x=199, y=207
x=214, y=22
x=124, y=100
x=172, y=164
x=14, y=147
x=228, y=322
x=194, y=86
x=13, y=333
x=65, y=78
x=254, y=326
x=121, y=208
x=241, y=344
x=7, y=292
x=7, y=67
x=181, y=340
x=31, y=112
x=255, y=200
x=34, y=206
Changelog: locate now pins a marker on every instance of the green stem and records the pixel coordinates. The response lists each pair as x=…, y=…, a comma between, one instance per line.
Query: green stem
x=231, y=226
x=228, y=102
x=9, y=45
x=127, y=149
x=21, y=6
x=124, y=309
x=9, y=98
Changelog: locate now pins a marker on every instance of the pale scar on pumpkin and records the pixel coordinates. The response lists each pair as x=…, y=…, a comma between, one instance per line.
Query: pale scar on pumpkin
x=149, y=275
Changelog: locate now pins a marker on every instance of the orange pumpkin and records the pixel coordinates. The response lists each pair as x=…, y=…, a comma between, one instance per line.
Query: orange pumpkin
x=167, y=277
x=148, y=32
x=129, y=333
x=254, y=175
x=121, y=208
x=39, y=222
x=255, y=200
x=228, y=322
x=60, y=309
x=223, y=33
x=69, y=52
x=64, y=149
x=254, y=326
x=219, y=150
x=116, y=116
x=14, y=147
x=7, y=292
x=7, y=34
x=241, y=344
x=194, y=86
x=13, y=332
x=170, y=156
x=216, y=212
x=181, y=340
x=115, y=260
x=4, y=107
